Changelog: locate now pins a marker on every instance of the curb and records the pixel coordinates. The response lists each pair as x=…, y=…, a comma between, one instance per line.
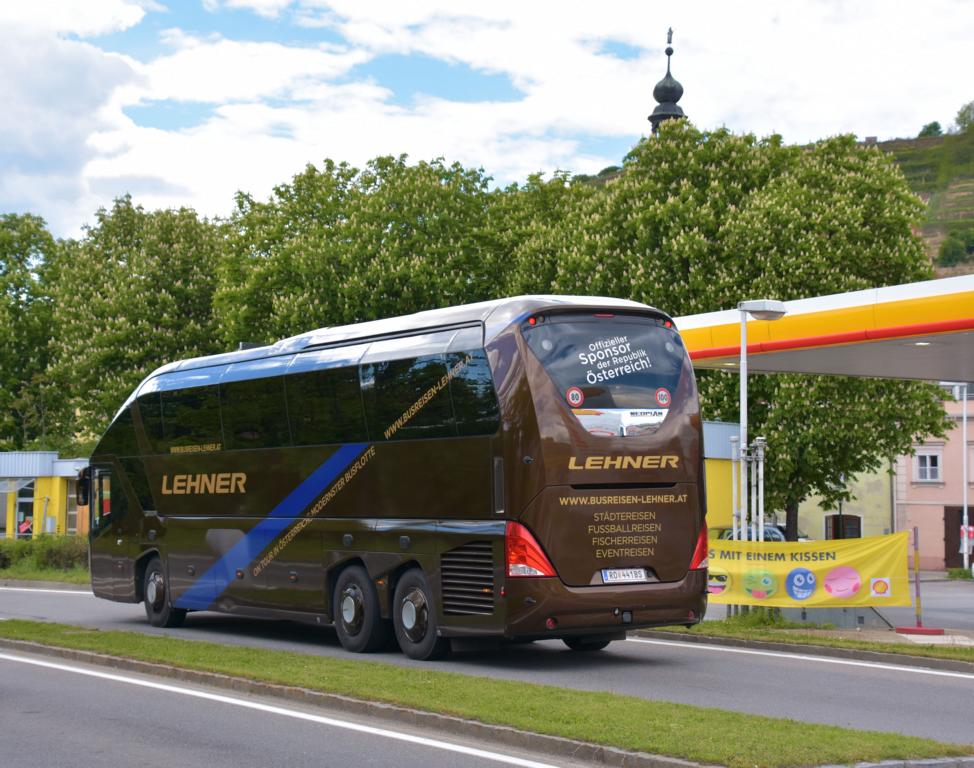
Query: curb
x=936, y=762
x=31, y=584
x=897, y=659
x=555, y=746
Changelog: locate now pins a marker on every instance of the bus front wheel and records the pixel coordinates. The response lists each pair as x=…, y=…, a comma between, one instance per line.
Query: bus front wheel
x=414, y=617
x=158, y=609
x=360, y=626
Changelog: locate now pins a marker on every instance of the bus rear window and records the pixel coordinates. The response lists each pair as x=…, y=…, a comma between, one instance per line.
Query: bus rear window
x=618, y=374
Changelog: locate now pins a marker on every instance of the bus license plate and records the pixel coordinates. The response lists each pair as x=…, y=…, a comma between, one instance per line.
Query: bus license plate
x=623, y=575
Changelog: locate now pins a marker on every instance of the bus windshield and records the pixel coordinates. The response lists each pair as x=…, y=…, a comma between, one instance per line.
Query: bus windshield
x=618, y=374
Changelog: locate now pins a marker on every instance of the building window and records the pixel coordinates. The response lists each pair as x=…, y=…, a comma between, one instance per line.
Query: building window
x=843, y=527
x=926, y=468
x=72, y=516
x=25, y=512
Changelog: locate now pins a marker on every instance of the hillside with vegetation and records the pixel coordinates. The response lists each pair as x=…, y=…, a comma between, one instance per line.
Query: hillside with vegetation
x=941, y=170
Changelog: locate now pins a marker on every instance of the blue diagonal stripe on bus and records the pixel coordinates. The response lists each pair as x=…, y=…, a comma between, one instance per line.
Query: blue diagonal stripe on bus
x=218, y=577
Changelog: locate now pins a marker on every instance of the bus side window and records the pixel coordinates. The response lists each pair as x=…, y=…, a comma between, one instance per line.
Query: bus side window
x=408, y=399
x=191, y=417
x=119, y=440
x=150, y=409
x=325, y=406
x=254, y=413
x=472, y=390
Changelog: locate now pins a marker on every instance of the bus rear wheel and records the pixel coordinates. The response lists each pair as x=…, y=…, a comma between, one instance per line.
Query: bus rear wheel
x=158, y=609
x=358, y=622
x=414, y=617
x=585, y=644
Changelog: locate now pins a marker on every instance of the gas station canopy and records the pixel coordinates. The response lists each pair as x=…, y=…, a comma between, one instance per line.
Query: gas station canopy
x=915, y=331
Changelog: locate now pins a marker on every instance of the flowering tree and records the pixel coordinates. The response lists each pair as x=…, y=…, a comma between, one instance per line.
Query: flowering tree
x=340, y=245
x=133, y=293
x=26, y=252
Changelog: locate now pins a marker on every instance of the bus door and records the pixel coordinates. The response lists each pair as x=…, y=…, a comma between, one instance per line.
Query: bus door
x=109, y=540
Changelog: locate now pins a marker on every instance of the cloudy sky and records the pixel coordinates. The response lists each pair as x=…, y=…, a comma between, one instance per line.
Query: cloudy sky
x=184, y=102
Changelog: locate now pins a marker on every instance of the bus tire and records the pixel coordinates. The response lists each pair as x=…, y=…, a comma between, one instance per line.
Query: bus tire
x=585, y=644
x=358, y=622
x=414, y=617
x=158, y=608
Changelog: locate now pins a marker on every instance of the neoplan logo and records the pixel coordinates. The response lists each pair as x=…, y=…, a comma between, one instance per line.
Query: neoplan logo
x=626, y=462
x=217, y=482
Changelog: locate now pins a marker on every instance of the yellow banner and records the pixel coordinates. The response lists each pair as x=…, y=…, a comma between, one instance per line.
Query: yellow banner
x=811, y=574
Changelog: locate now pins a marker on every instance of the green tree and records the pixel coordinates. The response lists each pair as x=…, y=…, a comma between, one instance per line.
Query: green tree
x=26, y=250
x=957, y=248
x=135, y=292
x=339, y=245
x=523, y=220
x=699, y=221
x=931, y=129
x=965, y=118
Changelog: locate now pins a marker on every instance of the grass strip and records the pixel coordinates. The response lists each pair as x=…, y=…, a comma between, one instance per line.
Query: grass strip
x=25, y=571
x=791, y=632
x=702, y=734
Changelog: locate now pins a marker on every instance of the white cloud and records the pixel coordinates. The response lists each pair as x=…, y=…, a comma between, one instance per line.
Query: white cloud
x=54, y=93
x=267, y=8
x=227, y=70
x=80, y=17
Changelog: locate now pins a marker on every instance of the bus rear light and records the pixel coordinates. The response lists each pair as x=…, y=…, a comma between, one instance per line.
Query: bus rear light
x=524, y=555
x=700, y=553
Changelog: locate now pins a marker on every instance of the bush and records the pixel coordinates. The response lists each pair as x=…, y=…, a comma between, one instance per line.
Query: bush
x=958, y=248
x=61, y=552
x=13, y=551
x=44, y=551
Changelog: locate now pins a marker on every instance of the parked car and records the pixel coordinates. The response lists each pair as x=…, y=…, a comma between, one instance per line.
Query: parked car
x=772, y=532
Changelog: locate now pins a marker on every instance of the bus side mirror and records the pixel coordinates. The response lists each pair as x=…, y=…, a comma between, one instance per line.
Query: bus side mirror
x=83, y=490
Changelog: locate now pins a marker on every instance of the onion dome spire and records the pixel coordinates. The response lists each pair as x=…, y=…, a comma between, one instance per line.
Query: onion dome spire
x=667, y=92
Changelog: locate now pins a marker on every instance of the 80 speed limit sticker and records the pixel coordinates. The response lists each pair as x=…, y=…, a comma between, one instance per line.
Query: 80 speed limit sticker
x=575, y=397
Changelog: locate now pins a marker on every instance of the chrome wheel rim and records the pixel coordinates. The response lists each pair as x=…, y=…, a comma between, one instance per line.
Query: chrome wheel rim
x=155, y=591
x=414, y=615
x=352, y=609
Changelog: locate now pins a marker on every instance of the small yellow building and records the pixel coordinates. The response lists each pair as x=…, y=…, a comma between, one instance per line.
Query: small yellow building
x=37, y=495
x=717, y=462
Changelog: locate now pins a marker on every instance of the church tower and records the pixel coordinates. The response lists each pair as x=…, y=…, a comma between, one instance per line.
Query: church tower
x=667, y=92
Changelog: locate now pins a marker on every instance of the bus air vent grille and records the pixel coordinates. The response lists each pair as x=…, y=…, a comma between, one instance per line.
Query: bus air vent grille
x=468, y=579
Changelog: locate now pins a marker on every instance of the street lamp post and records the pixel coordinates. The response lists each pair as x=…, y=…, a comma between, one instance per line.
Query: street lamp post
x=759, y=309
x=960, y=393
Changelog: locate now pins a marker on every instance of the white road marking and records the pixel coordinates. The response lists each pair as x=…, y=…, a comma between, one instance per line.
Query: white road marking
x=49, y=591
x=285, y=712
x=806, y=657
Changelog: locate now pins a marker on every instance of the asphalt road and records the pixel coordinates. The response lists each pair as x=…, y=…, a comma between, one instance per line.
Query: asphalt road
x=853, y=694
x=69, y=714
x=946, y=604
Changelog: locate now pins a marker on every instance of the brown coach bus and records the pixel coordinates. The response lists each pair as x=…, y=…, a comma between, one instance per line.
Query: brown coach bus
x=517, y=469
